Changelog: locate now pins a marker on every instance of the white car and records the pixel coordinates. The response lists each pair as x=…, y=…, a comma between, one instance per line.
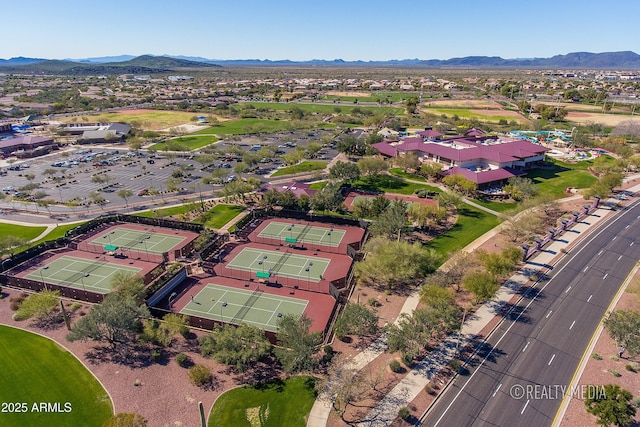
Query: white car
x=8, y=189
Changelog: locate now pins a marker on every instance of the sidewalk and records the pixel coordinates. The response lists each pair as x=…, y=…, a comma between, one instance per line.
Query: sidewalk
x=479, y=323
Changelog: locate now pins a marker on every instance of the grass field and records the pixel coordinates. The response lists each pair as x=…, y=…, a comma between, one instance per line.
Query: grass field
x=554, y=181
x=318, y=185
x=186, y=143
x=402, y=174
x=246, y=126
x=306, y=166
x=23, y=231
x=36, y=369
x=471, y=224
x=497, y=206
x=219, y=215
x=391, y=184
x=274, y=404
x=327, y=109
x=144, y=119
x=465, y=113
x=170, y=211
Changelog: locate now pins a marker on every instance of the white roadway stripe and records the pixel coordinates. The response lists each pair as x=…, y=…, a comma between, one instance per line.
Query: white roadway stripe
x=620, y=257
x=525, y=347
x=568, y=289
x=590, y=296
x=551, y=361
x=548, y=314
x=494, y=393
x=631, y=244
x=626, y=227
x=571, y=327
x=614, y=238
x=605, y=276
x=585, y=269
x=525, y=407
x=484, y=359
x=600, y=253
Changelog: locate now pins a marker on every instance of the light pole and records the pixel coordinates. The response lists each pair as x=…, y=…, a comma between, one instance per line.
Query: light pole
x=44, y=267
x=223, y=305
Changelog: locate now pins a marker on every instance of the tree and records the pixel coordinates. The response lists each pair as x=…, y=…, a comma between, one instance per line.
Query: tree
x=624, y=327
x=431, y=170
x=126, y=419
x=520, y=227
x=41, y=306
x=329, y=198
x=125, y=193
x=612, y=405
x=176, y=324
x=128, y=284
x=407, y=162
x=342, y=385
x=372, y=166
x=482, y=284
x=356, y=319
x=241, y=346
x=9, y=243
x=344, y=171
x=436, y=296
x=460, y=183
x=115, y=321
x=520, y=188
x=392, y=222
x=395, y=263
x=450, y=199
x=296, y=344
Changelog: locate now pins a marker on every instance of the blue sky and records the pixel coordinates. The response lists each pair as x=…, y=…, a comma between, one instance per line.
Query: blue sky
x=328, y=29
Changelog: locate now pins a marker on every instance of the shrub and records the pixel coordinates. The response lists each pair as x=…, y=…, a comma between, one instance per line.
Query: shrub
x=182, y=359
x=614, y=358
x=200, y=375
x=455, y=365
x=373, y=302
x=404, y=413
x=156, y=355
x=614, y=373
x=632, y=367
x=75, y=306
x=429, y=390
x=395, y=366
x=596, y=356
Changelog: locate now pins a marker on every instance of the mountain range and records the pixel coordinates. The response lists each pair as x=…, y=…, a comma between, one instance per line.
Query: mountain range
x=149, y=64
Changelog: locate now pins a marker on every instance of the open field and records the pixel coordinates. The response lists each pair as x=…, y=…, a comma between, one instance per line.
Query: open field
x=247, y=126
x=52, y=375
x=275, y=404
x=326, y=108
x=23, y=231
x=145, y=119
x=307, y=166
x=464, y=103
x=483, y=115
x=604, y=119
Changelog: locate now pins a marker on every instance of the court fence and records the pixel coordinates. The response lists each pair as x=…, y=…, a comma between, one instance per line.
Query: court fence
x=37, y=286
x=165, y=285
x=156, y=222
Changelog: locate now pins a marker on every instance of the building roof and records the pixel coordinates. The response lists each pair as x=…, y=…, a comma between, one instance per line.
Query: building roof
x=483, y=177
x=297, y=188
x=29, y=141
x=429, y=133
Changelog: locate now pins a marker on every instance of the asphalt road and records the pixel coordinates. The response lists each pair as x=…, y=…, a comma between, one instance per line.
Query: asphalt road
x=517, y=377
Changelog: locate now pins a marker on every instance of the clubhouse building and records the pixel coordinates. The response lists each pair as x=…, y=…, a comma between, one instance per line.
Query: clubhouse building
x=489, y=161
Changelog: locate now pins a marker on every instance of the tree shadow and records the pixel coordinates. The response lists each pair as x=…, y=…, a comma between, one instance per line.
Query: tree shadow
x=485, y=351
x=132, y=355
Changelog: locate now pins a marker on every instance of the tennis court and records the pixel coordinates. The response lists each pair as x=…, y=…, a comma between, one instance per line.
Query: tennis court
x=267, y=264
x=301, y=233
x=236, y=306
x=80, y=273
x=147, y=241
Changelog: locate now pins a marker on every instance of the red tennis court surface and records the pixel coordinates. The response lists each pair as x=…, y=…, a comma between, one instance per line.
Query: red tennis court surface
x=335, y=274
x=319, y=309
x=353, y=235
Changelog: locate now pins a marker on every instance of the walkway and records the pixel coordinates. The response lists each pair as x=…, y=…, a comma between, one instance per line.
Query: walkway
x=407, y=389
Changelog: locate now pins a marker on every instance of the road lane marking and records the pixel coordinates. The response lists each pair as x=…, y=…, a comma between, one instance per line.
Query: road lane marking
x=620, y=257
x=525, y=407
x=600, y=253
x=626, y=227
x=605, y=276
x=551, y=361
x=548, y=314
x=631, y=244
x=525, y=347
x=494, y=393
x=589, y=299
x=568, y=289
x=571, y=327
x=614, y=238
x=585, y=269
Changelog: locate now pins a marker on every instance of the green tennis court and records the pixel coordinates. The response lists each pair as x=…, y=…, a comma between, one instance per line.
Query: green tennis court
x=236, y=306
x=280, y=263
x=148, y=241
x=300, y=233
x=80, y=273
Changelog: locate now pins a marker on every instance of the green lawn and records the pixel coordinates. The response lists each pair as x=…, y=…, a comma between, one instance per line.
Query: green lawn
x=26, y=232
x=402, y=174
x=497, y=206
x=246, y=126
x=318, y=185
x=170, y=211
x=554, y=181
x=306, y=166
x=274, y=404
x=326, y=108
x=220, y=215
x=391, y=184
x=471, y=224
x=36, y=369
